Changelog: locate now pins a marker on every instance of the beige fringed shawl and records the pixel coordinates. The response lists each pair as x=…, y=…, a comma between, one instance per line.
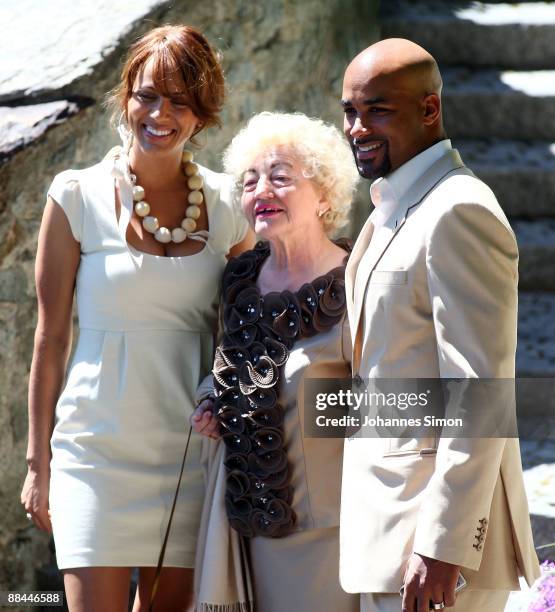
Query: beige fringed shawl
x=222, y=579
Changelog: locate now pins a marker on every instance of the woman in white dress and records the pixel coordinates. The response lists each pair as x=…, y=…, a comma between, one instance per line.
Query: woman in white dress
x=143, y=238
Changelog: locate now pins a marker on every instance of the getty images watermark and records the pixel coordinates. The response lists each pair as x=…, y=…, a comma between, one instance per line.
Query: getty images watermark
x=355, y=402
x=416, y=408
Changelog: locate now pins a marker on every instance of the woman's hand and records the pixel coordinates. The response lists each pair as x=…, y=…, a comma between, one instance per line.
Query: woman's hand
x=34, y=497
x=204, y=421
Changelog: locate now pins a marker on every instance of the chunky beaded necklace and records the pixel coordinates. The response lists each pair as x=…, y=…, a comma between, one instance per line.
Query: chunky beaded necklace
x=192, y=213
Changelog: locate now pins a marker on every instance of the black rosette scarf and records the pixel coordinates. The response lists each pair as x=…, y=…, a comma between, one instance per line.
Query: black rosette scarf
x=259, y=332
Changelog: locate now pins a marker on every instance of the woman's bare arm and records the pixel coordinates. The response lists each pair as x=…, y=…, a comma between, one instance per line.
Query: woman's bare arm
x=247, y=243
x=57, y=261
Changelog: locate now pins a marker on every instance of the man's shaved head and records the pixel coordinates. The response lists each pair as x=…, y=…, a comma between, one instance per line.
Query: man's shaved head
x=392, y=103
x=402, y=59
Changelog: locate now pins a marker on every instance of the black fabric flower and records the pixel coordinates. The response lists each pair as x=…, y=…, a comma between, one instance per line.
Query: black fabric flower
x=236, y=461
x=262, y=524
x=276, y=351
x=279, y=511
x=246, y=309
x=232, y=420
x=268, y=438
x=263, y=398
x=331, y=305
x=226, y=377
x=264, y=374
x=243, y=337
x=259, y=332
x=230, y=356
x=230, y=398
x=267, y=417
x=274, y=305
x=237, y=443
x=238, y=483
x=238, y=269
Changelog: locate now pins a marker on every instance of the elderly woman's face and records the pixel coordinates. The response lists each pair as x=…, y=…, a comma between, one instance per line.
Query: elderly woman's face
x=278, y=200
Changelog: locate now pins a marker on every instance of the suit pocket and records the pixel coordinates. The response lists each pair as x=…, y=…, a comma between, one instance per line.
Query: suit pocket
x=423, y=452
x=402, y=447
x=388, y=277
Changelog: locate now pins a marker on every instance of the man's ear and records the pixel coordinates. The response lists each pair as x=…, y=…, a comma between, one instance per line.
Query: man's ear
x=431, y=106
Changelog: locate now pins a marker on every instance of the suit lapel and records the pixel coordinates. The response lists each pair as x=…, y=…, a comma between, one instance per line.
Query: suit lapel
x=370, y=259
x=360, y=247
x=374, y=245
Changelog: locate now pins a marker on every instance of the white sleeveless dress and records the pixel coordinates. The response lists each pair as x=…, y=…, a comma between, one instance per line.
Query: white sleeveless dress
x=146, y=339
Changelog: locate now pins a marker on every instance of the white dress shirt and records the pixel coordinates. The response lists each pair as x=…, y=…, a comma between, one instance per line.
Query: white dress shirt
x=387, y=191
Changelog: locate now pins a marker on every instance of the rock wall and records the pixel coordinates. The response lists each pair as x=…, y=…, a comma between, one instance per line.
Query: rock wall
x=278, y=55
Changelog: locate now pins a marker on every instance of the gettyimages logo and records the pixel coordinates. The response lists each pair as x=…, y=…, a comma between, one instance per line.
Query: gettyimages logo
x=410, y=408
x=354, y=400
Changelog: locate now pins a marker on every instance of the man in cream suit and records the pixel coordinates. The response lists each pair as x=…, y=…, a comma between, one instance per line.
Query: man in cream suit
x=431, y=293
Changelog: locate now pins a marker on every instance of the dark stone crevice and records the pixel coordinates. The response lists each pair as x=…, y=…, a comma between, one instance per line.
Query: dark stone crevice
x=44, y=98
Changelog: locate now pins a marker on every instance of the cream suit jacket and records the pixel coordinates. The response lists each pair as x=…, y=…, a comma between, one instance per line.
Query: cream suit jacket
x=437, y=298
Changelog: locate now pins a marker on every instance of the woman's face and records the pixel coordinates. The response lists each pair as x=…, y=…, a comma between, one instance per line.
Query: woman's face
x=160, y=123
x=278, y=200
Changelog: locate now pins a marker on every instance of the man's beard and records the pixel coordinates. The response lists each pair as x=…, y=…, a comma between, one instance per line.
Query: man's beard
x=369, y=171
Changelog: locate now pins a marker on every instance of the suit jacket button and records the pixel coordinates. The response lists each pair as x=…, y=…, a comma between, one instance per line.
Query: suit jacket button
x=357, y=381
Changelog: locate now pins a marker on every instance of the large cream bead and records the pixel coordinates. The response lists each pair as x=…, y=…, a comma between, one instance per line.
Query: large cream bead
x=193, y=212
x=195, y=181
x=195, y=197
x=189, y=225
x=190, y=168
x=163, y=234
x=178, y=234
x=186, y=156
x=138, y=193
x=151, y=224
x=142, y=208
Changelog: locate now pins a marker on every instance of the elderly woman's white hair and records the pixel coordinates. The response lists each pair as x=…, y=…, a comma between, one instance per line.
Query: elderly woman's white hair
x=320, y=147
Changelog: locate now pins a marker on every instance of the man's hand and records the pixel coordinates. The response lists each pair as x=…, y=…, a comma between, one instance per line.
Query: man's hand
x=204, y=421
x=428, y=580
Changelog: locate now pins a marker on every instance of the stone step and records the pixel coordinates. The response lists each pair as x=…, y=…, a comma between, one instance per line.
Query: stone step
x=538, y=461
x=521, y=174
x=516, y=35
x=499, y=104
x=535, y=355
x=536, y=242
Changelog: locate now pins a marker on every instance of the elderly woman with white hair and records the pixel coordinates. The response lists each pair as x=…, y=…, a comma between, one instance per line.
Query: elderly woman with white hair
x=273, y=493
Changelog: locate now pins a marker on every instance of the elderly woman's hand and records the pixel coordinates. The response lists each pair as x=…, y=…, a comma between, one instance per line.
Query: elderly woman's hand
x=204, y=421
